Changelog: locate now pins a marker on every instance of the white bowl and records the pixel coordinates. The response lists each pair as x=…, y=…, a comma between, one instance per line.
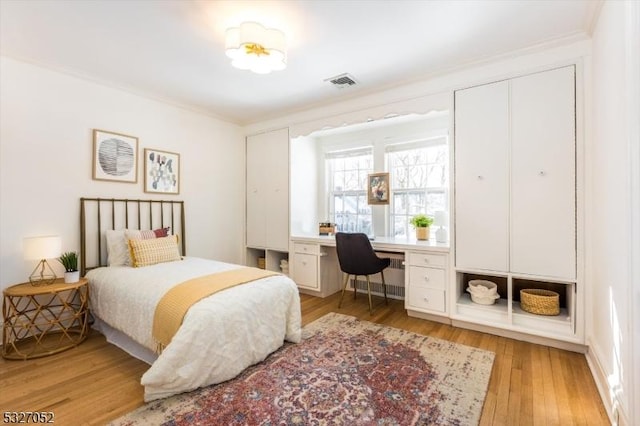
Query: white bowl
x=483, y=292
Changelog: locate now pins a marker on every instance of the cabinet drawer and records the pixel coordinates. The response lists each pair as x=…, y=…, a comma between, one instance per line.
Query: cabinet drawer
x=426, y=277
x=305, y=270
x=428, y=259
x=426, y=298
x=306, y=248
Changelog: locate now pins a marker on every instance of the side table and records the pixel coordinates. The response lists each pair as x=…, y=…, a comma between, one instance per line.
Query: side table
x=44, y=320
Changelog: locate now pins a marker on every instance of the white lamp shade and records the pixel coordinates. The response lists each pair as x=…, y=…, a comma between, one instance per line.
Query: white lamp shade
x=38, y=248
x=440, y=218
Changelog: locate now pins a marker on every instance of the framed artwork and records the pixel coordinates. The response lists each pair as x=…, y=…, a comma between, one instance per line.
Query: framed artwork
x=161, y=171
x=378, y=188
x=115, y=157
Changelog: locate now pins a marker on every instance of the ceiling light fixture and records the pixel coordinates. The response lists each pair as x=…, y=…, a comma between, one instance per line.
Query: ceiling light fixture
x=254, y=47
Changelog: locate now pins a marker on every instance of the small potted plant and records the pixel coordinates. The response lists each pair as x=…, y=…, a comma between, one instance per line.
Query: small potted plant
x=70, y=262
x=421, y=222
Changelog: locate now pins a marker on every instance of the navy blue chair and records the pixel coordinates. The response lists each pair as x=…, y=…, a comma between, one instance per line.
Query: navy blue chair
x=356, y=257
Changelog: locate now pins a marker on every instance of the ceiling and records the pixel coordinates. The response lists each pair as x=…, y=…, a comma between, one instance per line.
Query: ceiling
x=174, y=49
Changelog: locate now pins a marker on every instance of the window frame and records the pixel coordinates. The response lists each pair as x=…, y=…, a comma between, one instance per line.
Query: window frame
x=360, y=194
x=443, y=191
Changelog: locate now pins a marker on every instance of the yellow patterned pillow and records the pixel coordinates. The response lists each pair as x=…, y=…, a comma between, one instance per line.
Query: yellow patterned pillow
x=157, y=250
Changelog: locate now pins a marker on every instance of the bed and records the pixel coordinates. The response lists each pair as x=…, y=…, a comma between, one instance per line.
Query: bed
x=221, y=334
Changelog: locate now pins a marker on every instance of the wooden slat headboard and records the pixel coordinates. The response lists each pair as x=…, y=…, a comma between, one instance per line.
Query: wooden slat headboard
x=99, y=214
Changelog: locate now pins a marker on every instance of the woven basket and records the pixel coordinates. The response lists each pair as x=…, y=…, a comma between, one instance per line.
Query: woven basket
x=540, y=302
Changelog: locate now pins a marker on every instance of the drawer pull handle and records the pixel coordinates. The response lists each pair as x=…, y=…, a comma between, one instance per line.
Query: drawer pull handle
x=426, y=260
x=426, y=299
x=426, y=278
x=304, y=263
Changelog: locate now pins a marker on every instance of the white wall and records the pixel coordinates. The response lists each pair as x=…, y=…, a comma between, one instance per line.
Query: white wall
x=46, y=122
x=609, y=331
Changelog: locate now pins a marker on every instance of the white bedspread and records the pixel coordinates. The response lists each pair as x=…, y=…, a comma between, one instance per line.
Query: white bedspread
x=221, y=335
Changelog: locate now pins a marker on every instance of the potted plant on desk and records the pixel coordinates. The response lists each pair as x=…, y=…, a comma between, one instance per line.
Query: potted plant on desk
x=70, y=262
x=421, y=222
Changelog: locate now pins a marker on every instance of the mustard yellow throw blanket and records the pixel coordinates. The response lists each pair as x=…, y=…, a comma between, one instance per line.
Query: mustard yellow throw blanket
x=176, y=302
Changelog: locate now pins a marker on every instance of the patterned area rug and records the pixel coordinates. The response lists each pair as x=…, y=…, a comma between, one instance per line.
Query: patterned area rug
x=345, y=372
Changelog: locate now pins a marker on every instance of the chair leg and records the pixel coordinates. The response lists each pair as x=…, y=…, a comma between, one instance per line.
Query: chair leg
x=369, y=293
x=384, y=288
x=355, y=288
x=344, y=287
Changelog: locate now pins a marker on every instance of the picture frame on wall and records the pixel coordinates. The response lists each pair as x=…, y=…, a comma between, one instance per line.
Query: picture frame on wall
x=161, y=171
x=115, y=157
x=378, y=188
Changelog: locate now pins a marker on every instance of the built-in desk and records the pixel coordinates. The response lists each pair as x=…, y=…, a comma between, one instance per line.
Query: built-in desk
x=419, y=271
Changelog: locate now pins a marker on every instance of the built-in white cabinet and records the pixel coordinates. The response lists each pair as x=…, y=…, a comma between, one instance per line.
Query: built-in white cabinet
x=482, y=177
x=426, y=282
x=306, y=259
x=267, y=202
x=543, y=174
x=314, y=267
x=515, y=199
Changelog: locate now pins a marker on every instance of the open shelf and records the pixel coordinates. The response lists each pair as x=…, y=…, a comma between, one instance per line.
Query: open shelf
x=253, y=256
x=498, y=312
x=561, y=324
x=266, y=258
x=507, y=312
x=273, y=259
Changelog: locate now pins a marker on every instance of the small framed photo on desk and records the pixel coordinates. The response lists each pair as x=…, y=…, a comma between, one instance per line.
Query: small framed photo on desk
x=378, y=188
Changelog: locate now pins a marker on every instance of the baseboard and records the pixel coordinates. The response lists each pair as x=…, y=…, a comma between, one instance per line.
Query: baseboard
x=516, y=335
x=616, y=413
x=430, y=317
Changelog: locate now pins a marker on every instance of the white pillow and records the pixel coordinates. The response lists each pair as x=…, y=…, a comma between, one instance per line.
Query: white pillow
x=118, y=253
x=117, y=248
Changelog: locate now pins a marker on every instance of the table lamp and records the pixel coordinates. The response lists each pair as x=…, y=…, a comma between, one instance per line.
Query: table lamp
x=42, y=248
x=440, y=220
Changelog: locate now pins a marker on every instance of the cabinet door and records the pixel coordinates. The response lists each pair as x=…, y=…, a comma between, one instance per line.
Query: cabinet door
x=543, y=182
x=305, y=270
x=268, y=190
x=482, y=177
x=277, y=189
x=256, y=194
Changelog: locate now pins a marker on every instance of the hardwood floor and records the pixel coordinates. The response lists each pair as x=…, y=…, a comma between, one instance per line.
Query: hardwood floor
x=97, y=382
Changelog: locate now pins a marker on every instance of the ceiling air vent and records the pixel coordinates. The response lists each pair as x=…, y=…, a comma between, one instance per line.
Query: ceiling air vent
x=341, y=81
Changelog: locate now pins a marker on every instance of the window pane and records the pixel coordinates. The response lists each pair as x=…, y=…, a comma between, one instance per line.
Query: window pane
x=351, y=182
x=347, y=182
x=362, y=179
x=400, y=224
x=399, y=178
x=416, y=203
x=436, y=154
x=365, y=162
x=436, y=201
x=437, y=176
x=399, y=203
x=363, y=207
x=338, y=181
x=417, y=177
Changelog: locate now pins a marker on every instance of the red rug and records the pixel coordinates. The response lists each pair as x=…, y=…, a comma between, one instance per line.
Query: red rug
x=345, y=372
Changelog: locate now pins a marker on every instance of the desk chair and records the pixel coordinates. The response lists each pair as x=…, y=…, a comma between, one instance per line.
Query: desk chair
x=356, y=257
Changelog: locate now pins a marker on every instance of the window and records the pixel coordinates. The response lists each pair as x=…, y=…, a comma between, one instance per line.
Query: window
x=419, y=180
x=347, y=178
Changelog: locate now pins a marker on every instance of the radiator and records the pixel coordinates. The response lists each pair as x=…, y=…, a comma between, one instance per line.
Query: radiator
x=393, y=276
